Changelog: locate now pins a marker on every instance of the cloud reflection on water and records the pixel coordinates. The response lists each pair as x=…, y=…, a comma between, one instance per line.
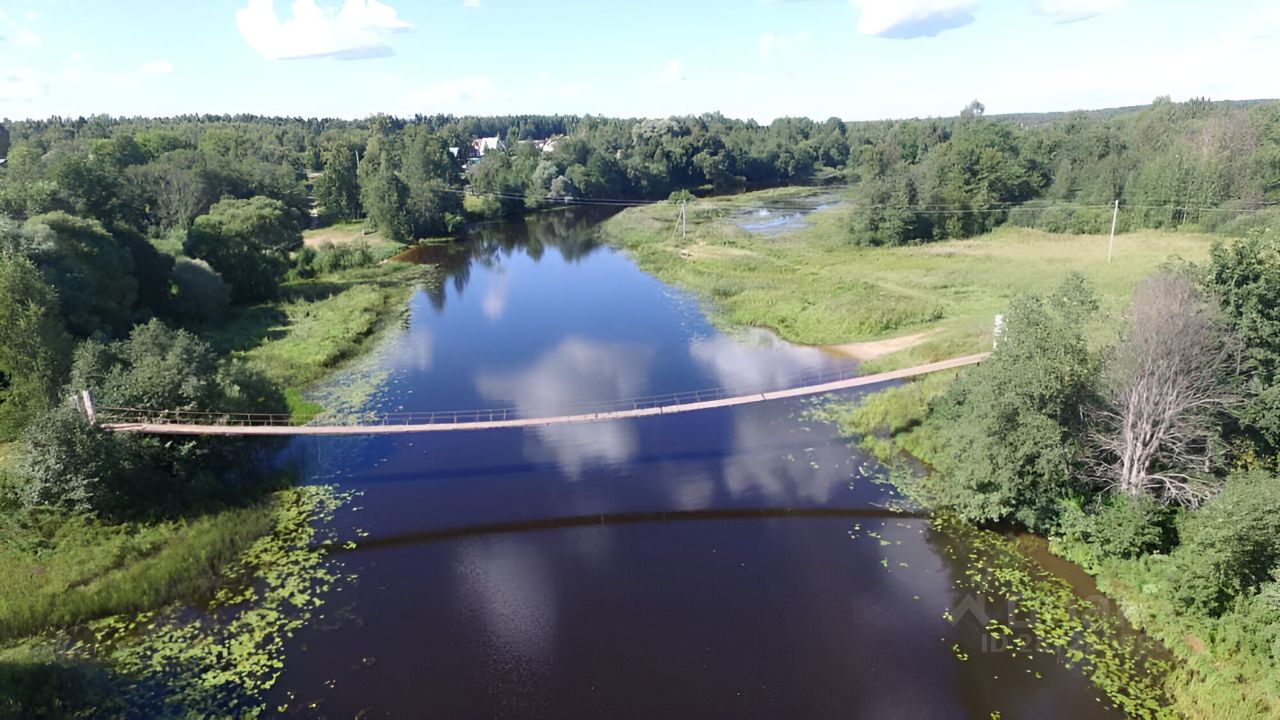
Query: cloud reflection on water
x=511, y=583
x=755, y=359
x=494, y=302
x=576, y=372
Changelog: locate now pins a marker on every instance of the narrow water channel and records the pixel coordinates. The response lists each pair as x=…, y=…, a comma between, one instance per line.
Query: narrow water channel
x=699, y=565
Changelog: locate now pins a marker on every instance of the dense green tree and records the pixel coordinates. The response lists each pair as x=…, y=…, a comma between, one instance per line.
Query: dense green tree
x=498, y=180
x=247, y=242
x=72, y=465
x=432, y=179
x=92, y=272
x=382, y=193
x=176, y=187
x=34, y=345
x=1244, y=277
x=1231, y=547
x=1008, y=429
x=337, y=189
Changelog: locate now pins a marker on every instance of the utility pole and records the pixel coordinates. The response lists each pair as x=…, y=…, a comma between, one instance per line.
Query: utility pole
x=86, y=399
x=1111, y=247
x=684, y=220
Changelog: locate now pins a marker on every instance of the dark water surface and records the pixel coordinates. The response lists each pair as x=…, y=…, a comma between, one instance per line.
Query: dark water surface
x=697, y=565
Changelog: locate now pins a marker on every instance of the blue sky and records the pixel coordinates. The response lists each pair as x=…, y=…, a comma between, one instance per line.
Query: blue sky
x=855, y=59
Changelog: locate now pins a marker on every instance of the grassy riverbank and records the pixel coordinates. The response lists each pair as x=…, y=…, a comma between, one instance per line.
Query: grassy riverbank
x=1222, y=671
x=813, y=286
x=318, y=324
x=63, y=571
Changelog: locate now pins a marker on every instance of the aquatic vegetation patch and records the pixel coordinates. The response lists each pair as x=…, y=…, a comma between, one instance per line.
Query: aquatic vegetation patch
x=1045, y=616
x=217, y=660
x=1025, y=611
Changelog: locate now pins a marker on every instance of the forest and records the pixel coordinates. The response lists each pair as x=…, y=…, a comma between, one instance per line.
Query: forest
x=129, y=246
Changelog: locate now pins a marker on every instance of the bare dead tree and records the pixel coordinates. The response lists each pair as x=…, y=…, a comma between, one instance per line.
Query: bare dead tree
x=1156, y=431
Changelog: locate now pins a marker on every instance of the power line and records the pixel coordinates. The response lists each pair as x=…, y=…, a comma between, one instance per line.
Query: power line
x=917, y=209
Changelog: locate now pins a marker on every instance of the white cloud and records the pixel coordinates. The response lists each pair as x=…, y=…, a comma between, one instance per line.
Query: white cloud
x=770, y=42
x=1068, y=11
x=912, y=18
x=754, y=360
x=358, y=30
x=159, y=67
x=20, y=84
x=470, y=3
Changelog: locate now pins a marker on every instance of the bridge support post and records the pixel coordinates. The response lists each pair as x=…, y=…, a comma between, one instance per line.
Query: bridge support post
x=86, y=398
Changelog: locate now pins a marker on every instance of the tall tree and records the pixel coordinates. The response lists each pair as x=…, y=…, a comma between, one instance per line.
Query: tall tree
x=1244, y=277
x=1008, y=429
x=432, y=178
x=34, y=345
x=338, y=187
x=382, y=193
x=1164, y=397
x=92, y=272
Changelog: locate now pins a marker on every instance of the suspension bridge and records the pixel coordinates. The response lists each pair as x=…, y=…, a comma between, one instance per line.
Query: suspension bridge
x=191, y=422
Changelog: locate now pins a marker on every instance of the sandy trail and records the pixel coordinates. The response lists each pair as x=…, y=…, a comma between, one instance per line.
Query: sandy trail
x=876, y=349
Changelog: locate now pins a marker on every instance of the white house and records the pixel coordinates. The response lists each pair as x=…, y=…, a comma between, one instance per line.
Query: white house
x=480, y=146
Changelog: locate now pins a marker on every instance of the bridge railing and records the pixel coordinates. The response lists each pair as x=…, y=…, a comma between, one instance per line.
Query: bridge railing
x=115, y=415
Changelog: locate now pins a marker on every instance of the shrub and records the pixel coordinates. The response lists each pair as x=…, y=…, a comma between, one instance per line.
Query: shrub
x=72, y=465
x=1117, y=526
x=199, y=293
x=69, y=464
x=1230, y=547
x=1240, y=224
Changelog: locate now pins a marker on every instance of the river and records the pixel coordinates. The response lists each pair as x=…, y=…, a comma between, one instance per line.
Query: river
x=700, y=565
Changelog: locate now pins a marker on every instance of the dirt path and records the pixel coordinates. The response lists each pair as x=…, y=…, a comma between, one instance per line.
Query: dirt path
x=876, y=349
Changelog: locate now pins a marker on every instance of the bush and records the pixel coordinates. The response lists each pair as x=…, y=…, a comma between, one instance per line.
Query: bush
x=1231, y=547
x=199, y=293
x=484, y=206
x=1240, y=224
x=310, y=263
x=1116, y=526
x=74, y=466
x=69, y=464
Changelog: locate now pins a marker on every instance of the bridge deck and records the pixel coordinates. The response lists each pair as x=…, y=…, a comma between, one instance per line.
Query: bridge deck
x=387, y=429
